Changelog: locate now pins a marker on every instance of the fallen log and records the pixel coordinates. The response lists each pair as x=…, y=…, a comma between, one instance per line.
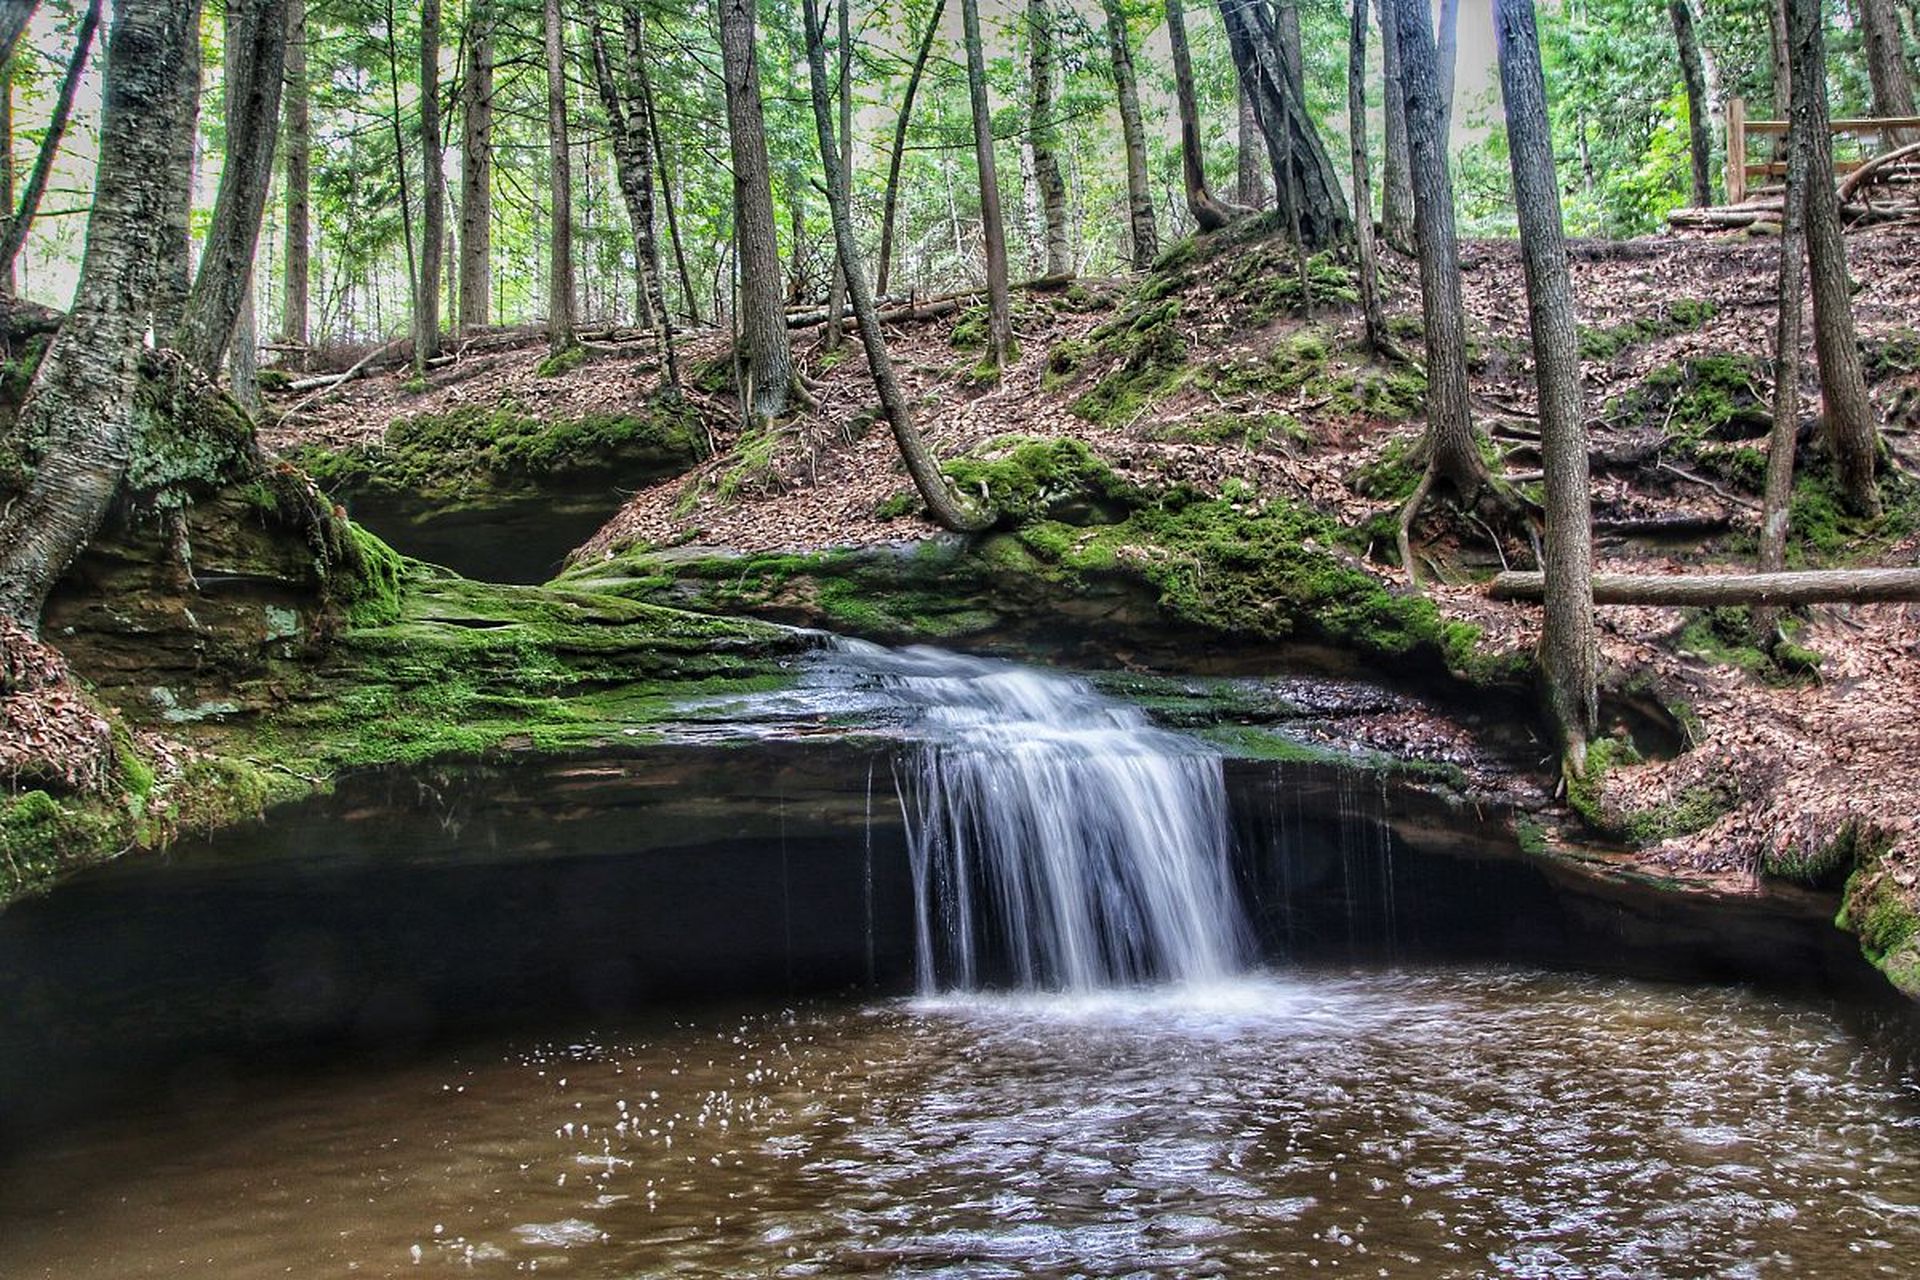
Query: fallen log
x=1816, y=586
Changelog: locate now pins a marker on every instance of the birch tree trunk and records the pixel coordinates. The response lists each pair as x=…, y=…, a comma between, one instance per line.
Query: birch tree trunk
x=1569, y=652
x=1058, y=257
x=256, y=74
x=1143, y=233
x=78, y=413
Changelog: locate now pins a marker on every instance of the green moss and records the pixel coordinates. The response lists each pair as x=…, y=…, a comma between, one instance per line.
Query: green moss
x=1027, y=478
x=904, y=503
x=563, y=361
x=1680, y=315
x=1881, y=913
x=1725, y=635
x=1695, y=809
x=1262, y=283
x=1709, y=396
x=41, y=837
x=970, y=331
x=1146, y=354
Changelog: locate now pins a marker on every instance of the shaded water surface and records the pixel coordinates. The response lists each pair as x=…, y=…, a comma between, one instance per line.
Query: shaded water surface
x=1439, y=1123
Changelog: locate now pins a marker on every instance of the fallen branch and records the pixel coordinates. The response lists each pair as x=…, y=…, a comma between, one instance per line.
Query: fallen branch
x=314, y=386
x=1818, y=586
x=1872, y=169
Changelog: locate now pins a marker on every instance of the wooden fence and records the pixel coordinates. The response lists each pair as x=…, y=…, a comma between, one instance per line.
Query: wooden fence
x=1886, y=133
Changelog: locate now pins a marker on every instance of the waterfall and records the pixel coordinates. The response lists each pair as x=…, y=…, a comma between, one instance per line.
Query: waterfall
x=1059, y=840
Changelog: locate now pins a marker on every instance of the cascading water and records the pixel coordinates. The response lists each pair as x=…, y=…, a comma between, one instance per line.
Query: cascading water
x=1059, y=840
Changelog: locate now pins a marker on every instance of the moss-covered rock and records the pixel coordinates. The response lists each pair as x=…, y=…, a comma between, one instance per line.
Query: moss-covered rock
x=1028, y=478
x=1880, y=906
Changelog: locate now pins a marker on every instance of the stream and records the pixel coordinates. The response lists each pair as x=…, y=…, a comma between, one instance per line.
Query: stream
x=1009, y=982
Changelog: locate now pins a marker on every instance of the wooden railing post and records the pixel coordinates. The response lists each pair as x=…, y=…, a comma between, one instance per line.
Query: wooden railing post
x=1737, y=151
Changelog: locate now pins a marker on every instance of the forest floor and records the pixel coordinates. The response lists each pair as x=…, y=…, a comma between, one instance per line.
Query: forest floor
x=1793, y=762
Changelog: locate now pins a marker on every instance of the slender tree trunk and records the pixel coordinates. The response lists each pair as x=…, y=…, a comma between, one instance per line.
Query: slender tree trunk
x=8, y=279
x=1251, y=187
x=560, y=292
x=78, y=413
x=14, y=17
x=947, y=508
x=243, y=354
x=298, y=127
x=643, y=86
x=992, y=226
x=640, y=144
x=1849, y=413
x=400, y=179
x=175, y=247
x=837, y=292
x=476, y=169
x=1370, y=307
x=21, y=219
x=256, y=70
x=1887, y=66
x=433, y=191
x=1293, y=143
x=1144, y=235
x=1208, y=213
x=1699, y=140
x=1396, y=182
x=763, y=321
x=890, y=203
x=1783, y=439
x=1058, y=256
x=1569, y=652
x=1449, y=65
x=1452, y=453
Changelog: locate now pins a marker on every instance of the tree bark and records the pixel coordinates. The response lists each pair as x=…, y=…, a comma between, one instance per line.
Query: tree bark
x=1449, y=64
x=14, y=17
x=1783, y=438
x=1251, y=187
x=1772, y=590
x=1209, y=214
x=21, y=219
x=1699, y=139
x=476, y=170
x=837, y=291
x=1451, y=451
x=1058, y=256
x=891, y=201
x=1143, y=233
x=992, y=223
x=1569, y=651
x=643, y=86
x=78, y=413
x=8, y=281
x=1887, y=66
x=1296, y=148
x=763, y=326
x=560, y=292
x=1370, y=308
x=1849, y=413
x=1396, y=182
x=256, y=72
x=633, y=165
x=297, y=125
x=175, y=247
x=433, y=191
x=946, y=507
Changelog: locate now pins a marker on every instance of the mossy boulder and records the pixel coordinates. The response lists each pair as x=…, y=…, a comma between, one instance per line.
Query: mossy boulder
x=1882, y=907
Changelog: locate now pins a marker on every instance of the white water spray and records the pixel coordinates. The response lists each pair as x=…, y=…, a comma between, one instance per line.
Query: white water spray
x=1059, y=840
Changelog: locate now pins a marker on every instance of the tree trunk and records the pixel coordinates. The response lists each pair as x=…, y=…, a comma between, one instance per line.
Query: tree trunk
x=256, y=71
x=947, y=508
x=1143, y=234
x=640, y=143
x=1370, y=307
x=1775, y=510
x=1396, y=182
x=1058, y=259
x=476, y=169
x=1297, y=148
x=20, y=220
x=14, y=17
x=1699, y=140
x=7, y=278
x=560, y=301
x=890, y=204
x=433, y=191
x=78, y=413
x=837, y=292
x=992, y=226
x=1887, y=65
x=175, y=247
x=1449, y=65
x=297, y=124
x=1768, y=590
x=1451, y=451
x=762, y=318
x=1208, y=213
x=1569, y=651
x=1251, y=187
x=1849, y=413
x=643, y=86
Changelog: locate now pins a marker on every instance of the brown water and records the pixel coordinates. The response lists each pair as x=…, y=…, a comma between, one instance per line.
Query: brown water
x=1446, y=1123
